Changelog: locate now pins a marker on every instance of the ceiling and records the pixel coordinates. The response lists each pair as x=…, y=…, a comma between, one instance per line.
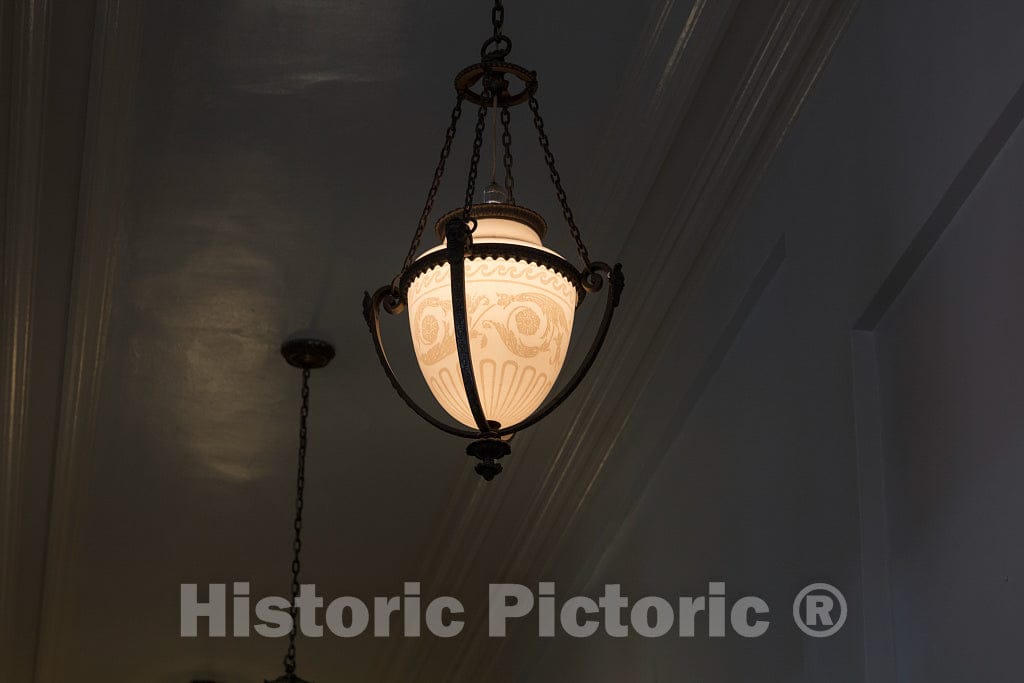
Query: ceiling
x=192, y=183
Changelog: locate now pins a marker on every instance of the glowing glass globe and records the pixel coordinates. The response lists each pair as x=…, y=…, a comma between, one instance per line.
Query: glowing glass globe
x=520, y=303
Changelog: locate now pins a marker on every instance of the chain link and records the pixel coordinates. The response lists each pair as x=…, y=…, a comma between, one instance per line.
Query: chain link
x=497, y=18
x=435, y=184
x=474, y=161
x=556, y=179
x=300, y=485
x=506, y=142
x=497, y=47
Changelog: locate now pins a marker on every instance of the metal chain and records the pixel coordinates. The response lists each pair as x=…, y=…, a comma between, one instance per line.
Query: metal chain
x=300, y=485
x=474, y=161
x=497, y=18
x=556, y=179
x=494, y=137
x=497, y=47
x=446, y=149
x=506, y=141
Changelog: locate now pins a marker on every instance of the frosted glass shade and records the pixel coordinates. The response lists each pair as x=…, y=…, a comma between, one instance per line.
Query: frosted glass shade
x=520, y=320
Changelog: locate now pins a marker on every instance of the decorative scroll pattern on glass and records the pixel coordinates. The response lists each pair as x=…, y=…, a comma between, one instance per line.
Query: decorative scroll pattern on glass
x=520, y=320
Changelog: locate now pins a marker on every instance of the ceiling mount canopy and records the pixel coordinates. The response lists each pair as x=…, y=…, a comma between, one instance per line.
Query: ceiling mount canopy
x=491, y=309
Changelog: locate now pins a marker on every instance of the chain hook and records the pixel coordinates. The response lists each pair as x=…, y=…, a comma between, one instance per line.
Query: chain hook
x=495, y=49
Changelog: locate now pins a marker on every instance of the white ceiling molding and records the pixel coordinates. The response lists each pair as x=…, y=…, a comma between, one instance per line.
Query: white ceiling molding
x=655, y=98
x=698, y=227
x=24, y=79
x=104, y=182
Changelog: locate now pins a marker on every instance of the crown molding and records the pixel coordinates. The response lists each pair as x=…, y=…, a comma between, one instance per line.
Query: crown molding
x=23, y=86
x=103, y=186
x=657, y=95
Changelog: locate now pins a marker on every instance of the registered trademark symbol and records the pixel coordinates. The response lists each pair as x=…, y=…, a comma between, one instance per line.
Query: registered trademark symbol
x=819, y=610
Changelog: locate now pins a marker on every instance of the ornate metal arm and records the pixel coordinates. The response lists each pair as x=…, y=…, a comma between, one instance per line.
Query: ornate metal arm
x=459, y=237
x=384, y=297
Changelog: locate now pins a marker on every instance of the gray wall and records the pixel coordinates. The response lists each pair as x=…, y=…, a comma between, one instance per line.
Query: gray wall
x=952, y=398
x=856, y=414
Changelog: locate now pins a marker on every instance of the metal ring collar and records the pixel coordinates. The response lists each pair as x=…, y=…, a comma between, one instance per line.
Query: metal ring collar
x=472, y=74
x=515, y=212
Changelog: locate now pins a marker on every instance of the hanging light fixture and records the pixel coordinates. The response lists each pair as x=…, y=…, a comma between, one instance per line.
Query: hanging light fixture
x=491, y=309
x=307, y=355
